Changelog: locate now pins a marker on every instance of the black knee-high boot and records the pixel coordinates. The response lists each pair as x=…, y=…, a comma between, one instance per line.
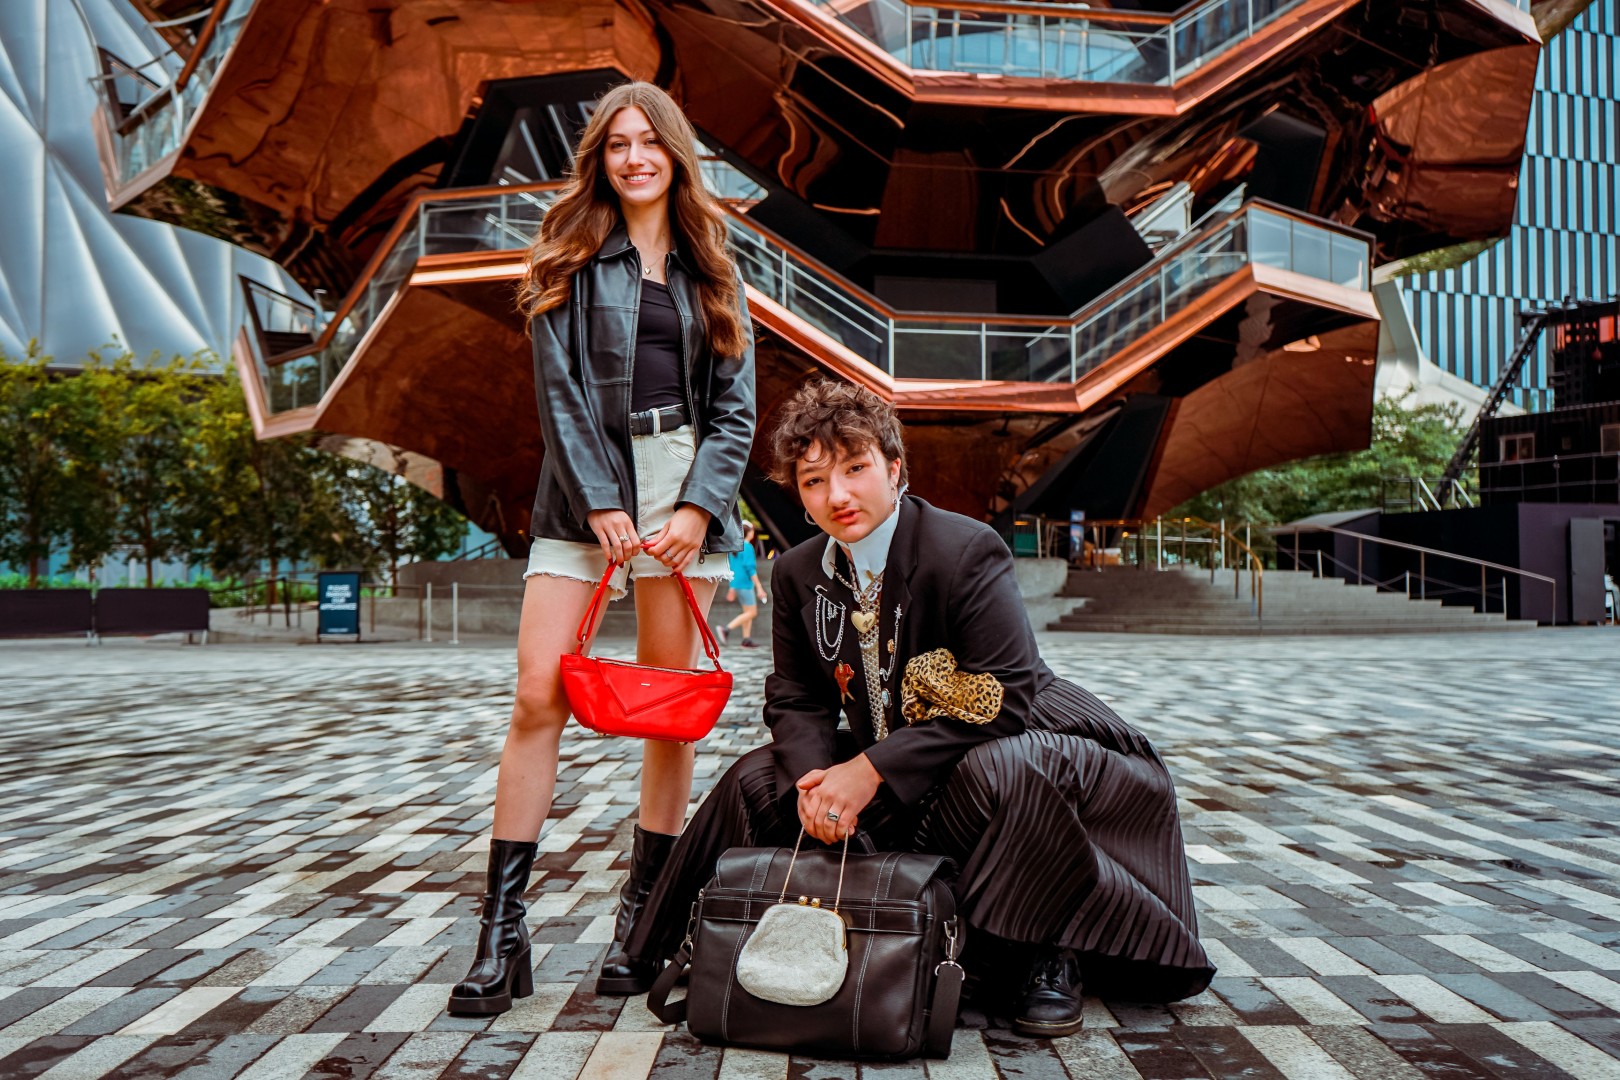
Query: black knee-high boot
x=501, y=970
x=621, y=974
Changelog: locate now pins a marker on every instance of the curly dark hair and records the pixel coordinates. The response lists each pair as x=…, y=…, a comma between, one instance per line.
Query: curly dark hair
x=833, y=414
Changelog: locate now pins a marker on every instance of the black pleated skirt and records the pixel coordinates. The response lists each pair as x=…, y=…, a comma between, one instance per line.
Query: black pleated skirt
x=1066, y=835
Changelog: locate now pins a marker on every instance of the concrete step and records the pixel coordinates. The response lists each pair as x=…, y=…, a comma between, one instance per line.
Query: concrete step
x=1128, y=599
x=1244, y=618
x=1269, y=628
x=1395, y=609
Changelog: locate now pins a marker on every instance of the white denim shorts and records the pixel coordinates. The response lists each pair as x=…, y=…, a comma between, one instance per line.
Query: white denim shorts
x=661, y=462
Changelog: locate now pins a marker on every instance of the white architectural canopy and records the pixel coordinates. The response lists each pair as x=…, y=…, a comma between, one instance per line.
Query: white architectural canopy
x=74, y=277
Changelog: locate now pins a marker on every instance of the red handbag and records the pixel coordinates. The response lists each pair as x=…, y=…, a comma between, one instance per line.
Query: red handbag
x=616, y=697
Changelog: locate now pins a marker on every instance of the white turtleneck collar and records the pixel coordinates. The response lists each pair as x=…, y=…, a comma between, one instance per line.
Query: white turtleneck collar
x=869, y=554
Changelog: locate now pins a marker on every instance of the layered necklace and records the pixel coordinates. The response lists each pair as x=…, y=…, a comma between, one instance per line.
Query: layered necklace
x=868, y=628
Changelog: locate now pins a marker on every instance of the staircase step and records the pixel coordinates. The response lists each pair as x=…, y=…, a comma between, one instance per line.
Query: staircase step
x=1175, y=601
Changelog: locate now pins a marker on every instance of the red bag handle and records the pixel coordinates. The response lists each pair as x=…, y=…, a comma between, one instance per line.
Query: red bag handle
x=711, y=648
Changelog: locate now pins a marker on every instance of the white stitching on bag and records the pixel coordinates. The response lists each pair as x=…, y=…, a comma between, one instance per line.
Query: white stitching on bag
x=762, y=866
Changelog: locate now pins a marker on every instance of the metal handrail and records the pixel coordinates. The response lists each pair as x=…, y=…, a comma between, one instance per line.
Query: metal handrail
x=930, y=345
x=156, y=127
x=1423, y=556
x=1217, y=530
x=482, y=551
x=1420, y=494
x=1455, y=587
x=1053, y=41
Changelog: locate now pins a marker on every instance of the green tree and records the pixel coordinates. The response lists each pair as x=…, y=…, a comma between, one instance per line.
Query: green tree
x=256, y=503
x=391, y=519
x=56, y=441
x=1406, y=441
x=156, y=454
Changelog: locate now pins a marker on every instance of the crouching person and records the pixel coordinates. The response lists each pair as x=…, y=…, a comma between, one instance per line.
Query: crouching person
x=961, y=741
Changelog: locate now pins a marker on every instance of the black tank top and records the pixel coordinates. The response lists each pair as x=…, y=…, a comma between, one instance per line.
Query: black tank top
x=656, y=382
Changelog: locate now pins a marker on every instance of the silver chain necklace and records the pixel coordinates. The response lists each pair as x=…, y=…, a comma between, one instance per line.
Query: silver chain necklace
x=829, y=612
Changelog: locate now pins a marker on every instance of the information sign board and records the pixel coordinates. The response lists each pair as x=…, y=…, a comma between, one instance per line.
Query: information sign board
x=338, y=596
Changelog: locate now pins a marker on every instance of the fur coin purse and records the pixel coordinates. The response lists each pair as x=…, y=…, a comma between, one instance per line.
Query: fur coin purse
x=798, y=954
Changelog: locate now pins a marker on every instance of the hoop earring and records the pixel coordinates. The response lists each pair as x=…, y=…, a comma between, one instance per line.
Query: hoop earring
x=808, y=520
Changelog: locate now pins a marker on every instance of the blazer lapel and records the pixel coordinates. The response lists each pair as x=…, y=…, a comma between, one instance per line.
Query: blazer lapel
x=892, y=615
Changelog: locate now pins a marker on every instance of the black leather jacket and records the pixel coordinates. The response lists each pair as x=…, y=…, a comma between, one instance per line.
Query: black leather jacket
x=583, y=356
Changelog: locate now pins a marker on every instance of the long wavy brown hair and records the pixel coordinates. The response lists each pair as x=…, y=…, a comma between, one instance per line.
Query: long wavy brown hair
x=575, y=227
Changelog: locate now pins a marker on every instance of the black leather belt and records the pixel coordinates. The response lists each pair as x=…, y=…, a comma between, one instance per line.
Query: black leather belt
x=654, y=421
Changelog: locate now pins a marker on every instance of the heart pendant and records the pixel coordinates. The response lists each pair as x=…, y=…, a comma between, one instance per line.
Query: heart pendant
x=863, y=620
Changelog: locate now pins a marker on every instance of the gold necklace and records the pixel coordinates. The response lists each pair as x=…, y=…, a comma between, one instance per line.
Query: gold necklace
x=647, y=267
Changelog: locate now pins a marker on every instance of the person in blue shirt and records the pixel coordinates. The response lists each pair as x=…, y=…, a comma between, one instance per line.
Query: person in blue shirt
x=745, y=585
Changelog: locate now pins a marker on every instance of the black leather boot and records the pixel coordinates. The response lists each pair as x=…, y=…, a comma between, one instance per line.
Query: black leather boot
x=1052, y=1005
x=501, y=970
x=621, y=974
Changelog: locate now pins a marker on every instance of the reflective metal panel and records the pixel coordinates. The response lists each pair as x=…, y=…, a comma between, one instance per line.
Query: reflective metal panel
x=73, y=276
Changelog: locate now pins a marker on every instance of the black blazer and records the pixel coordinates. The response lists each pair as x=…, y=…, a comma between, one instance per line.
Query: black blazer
x=948, y=584
x=583, y=367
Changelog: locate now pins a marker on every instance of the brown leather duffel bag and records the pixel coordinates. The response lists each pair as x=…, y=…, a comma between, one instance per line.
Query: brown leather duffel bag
x=902, y=988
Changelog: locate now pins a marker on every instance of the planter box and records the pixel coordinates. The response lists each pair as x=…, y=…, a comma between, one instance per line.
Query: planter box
x=44, y=612
x=151, y=611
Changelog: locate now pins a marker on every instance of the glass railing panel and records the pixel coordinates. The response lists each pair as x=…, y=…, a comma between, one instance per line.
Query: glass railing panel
x=907, y=347
x=1182, y=277
x=504, y=222
x=935, y=350
x=278, y=321
x=1040, y=44
x=825, y=305
x=157, y=127
x=1350, y=255
x=727, y=182
x=1206, y=32
x=1288, y=243
x=294, y=384
x=1032, y=46
x=1312, y=252
x=1270, y=240
x=1028, y=354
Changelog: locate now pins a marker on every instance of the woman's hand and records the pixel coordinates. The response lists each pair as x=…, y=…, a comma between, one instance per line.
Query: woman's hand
x=678, y=543
x=615, y=532
x=845, y=790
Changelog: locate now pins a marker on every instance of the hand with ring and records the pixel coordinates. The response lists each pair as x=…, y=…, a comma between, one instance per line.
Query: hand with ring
x=831, y=800
x=616, y=533
x=678, y=544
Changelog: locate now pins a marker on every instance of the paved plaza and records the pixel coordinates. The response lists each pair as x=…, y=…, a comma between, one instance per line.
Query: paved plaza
x=263, y=861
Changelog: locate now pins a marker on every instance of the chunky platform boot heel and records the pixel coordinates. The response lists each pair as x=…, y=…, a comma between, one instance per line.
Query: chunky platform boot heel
x=500, y=972
x=620, y=973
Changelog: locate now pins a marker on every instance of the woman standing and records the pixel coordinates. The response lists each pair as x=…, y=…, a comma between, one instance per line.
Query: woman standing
x=746, y=588
x=960, y=741
x=644, y=372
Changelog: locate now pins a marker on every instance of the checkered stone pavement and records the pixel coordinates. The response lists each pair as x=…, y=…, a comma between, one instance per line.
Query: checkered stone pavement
x=263, y=861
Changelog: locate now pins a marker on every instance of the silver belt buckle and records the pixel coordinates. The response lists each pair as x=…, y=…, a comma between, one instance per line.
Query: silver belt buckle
x=658, y=425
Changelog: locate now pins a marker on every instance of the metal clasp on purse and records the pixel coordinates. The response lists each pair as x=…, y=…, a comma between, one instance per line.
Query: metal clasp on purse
x=789, y=958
